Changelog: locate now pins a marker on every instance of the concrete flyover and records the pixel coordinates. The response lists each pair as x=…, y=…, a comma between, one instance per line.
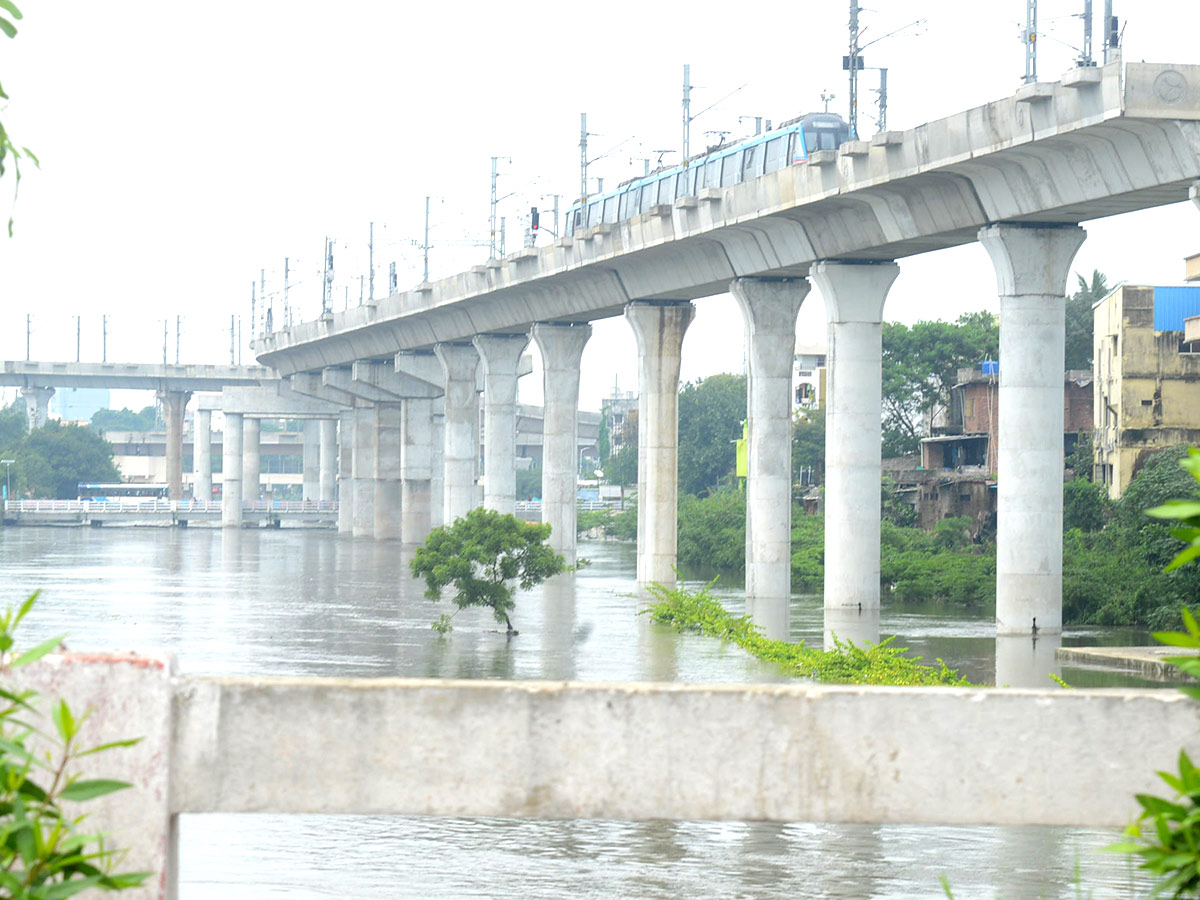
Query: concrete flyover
x=1020, y=174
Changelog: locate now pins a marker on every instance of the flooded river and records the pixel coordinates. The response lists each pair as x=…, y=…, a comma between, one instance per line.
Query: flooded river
x=311, y=603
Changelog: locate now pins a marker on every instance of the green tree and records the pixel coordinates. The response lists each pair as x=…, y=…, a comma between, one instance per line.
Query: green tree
x=52, y=460
x=124, y=419
x=603, y=442
x=10, y=153
x=13, y=425
x=529, y=483
x=622, y=466
x=483, y=556
x=1085, y=505
x=808, y=446
x=920, y=366
x=1079, y=319
x=711, y=412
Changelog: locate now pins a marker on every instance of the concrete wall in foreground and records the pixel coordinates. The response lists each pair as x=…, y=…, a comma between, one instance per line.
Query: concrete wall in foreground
x=616, y=751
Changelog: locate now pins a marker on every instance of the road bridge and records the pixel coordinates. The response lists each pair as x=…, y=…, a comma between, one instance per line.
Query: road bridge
x=1018, y=175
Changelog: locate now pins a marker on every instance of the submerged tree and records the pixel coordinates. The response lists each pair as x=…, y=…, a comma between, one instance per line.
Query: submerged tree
x=484, y=556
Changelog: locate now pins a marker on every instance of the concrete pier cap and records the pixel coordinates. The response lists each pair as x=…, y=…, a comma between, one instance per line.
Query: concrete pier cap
x=1032, y=258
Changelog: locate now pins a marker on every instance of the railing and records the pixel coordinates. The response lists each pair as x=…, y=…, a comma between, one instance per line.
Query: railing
x=587, y=505
x=144, y=506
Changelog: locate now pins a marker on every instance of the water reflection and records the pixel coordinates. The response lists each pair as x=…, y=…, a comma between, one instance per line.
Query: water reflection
x=1023, y=661
x=251, y=602
x=854, y=624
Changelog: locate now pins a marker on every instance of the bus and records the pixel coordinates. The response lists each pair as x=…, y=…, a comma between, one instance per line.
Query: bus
x=123, y=491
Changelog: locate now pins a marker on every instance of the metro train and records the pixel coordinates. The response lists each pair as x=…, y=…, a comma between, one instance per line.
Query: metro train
x=790, y=143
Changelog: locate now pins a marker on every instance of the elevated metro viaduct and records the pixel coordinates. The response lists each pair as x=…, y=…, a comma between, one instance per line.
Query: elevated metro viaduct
x=1018, y=175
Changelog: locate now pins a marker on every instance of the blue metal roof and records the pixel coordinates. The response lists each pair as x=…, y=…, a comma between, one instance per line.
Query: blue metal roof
x=1174, y=304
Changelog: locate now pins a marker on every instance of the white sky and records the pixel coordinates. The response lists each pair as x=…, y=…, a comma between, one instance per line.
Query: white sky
x=185, y=147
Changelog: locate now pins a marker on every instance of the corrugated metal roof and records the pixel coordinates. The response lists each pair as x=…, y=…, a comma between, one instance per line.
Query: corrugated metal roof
x=1174, y=304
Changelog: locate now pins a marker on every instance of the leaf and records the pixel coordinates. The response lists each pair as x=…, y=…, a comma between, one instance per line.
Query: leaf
x=109, y=746
x=64, y=722
x=71, y=888
x=28, y=604
x=1175, y=509
x=1176, y=639
x=8, y=28
x=1186, y=555
x=36, y=653
x=92, y=788
x=12, y=8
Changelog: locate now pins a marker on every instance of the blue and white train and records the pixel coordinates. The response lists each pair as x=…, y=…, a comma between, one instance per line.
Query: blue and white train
x=791, y=143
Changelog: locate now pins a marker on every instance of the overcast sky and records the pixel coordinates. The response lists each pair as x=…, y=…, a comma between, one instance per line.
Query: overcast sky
x=186, y=147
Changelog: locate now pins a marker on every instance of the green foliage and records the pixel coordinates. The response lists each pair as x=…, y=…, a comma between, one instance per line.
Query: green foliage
x=1079, y=319
x=529, y=483
x=10, y=153
x=1081, y=459
x=847, y=663
x=712, y=530
x=711, y=412
x=480, y=556
x=52, y=460
x=125, y=419
x=603, y=441
x=13, y=426
x=619, y=524
x=918, y=566
x=920, y=366
x=808, y=552
x=1085, y=505
x=1184, y=511
x=46, y=853
x=893, y=507
x=808, y=445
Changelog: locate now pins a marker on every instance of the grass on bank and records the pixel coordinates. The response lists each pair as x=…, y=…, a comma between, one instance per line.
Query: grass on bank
x=847, y=663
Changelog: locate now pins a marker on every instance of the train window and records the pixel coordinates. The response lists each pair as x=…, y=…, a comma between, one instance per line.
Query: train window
x=796, y=147
x=731, y=168
x=824, y=138
x=775, y=152
x=610, y=210
x=693, y=178
x=577, y=220
x=666, y=189
x=593, y=214
x=635, y=201
x=649, y=195
x=750, y=162
x=712, y=173
x=623, y=208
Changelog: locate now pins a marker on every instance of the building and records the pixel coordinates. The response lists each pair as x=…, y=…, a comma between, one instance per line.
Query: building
x=968, y=439
x=1147, y=364
x=809, y=380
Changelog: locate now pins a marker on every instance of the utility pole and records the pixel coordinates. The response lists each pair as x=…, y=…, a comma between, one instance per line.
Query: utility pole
x=853, y=63
x=492, y=214
x=583, y=136
x=392, y=281
x=327, y=280
x=882, y=121
x=1085, y=55
x=1112, y=36
x=360, y=290
x=502, y=236
x=178, y=322
x=371, y=262
x=425, y=246
x=104, y=338
x=239, y=340
x=232, y=342
x=687, y=112
x=1029, y=36
x=826, y=97
x=252, y=311
x=287, y=309
x=164, y=342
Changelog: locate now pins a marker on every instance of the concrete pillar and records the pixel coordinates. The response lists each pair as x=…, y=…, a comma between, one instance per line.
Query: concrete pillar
x=659, y=328
x=231, y=471
x=328, y=471
x=562, y=349
x=251, y=460
x=37, y=405
x=312, y=461
x=345, y=472
x=202, y=455
x=388, y=444
x=437, y=484
x=769, y=309
x=461, y=447
x=416, y=470
x=1032, y=263
x=364, y=472
x=173, y=405
x=854, y=294
x=500, y=355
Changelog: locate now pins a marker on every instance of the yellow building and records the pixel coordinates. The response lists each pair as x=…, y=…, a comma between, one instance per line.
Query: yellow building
x=1147, y=378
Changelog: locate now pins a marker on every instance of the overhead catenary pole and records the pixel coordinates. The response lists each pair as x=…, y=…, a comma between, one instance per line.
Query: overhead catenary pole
x=262, y=293
x=164, y=342
x=78, y=336
x=28, y=329
x=882, y=99
x=371, y=262
x=852, y=65
x=492, y=214
x=425, y=246
x=232, y=341
x=583, y=136
x=252, y=309
x=178, y=322
x=687, y=112
x=287, y=308
x=1111, y=36
x=1030, y=37
x=104, y=338
x=1085, y=55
